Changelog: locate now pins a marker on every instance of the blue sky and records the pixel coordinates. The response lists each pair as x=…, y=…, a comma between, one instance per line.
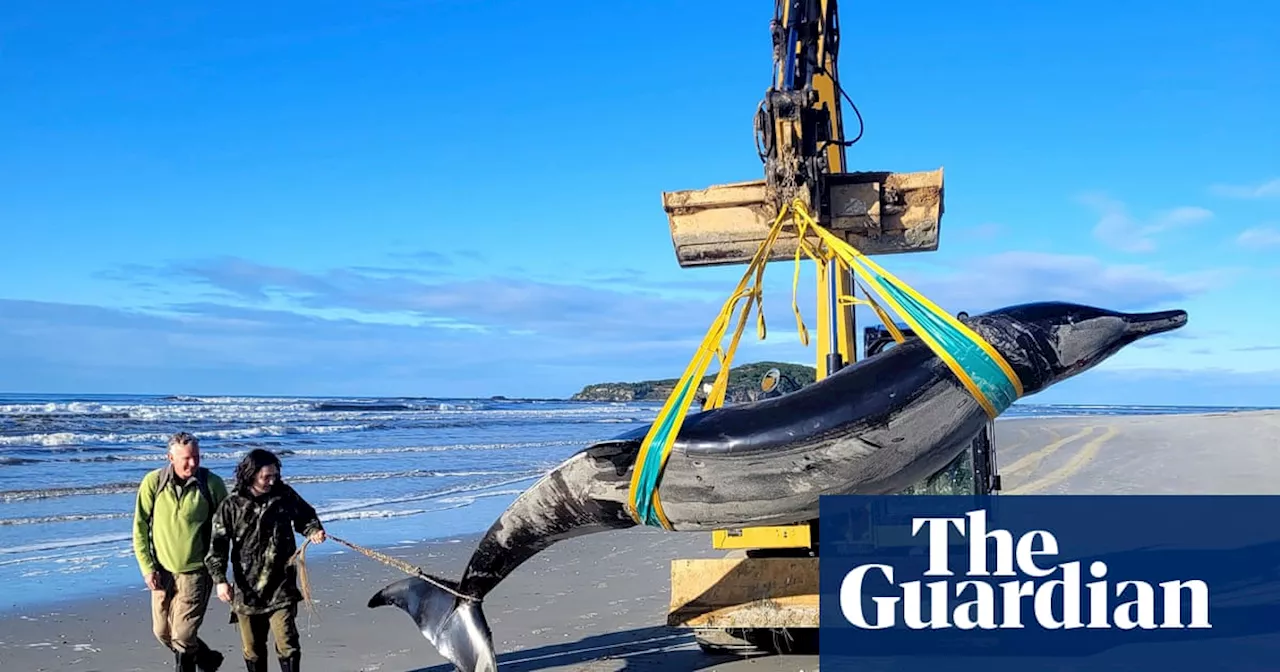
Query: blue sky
x=464, y=198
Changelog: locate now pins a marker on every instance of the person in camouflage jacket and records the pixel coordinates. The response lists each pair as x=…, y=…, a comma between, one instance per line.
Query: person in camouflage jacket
x=258, y=518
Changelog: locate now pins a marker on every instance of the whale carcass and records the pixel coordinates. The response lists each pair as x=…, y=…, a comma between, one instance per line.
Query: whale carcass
x=875, y=427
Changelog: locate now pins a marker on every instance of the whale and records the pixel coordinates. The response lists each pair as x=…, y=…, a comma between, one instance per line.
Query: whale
x=876, y=426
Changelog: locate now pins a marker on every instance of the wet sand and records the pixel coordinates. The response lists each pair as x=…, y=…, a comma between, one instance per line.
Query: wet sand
x=599, y=602
x=584, y=599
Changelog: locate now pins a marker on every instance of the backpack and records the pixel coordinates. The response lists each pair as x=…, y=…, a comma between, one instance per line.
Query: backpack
x=202, y=483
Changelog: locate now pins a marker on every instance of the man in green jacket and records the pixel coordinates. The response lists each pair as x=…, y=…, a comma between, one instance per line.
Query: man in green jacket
x=172, y=523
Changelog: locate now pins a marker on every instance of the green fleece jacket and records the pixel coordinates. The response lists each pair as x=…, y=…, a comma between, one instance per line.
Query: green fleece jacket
x=167, y=524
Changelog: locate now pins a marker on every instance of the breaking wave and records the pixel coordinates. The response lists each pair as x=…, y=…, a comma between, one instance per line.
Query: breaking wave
x=459, y=495
x=132, y=487
x=58, y=439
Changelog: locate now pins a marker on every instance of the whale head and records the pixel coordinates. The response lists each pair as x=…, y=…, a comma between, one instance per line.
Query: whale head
x=1046, y=343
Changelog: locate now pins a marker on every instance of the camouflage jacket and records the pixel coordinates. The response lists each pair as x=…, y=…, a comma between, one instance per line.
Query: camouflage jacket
x=256, y=535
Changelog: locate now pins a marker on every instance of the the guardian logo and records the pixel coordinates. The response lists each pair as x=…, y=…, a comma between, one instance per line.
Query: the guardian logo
x=972, y=603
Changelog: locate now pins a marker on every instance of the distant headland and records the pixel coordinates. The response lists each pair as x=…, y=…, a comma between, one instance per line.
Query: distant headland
x=744, y=384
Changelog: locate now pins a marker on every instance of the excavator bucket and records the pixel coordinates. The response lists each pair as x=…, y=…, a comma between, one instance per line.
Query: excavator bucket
x=875, y=212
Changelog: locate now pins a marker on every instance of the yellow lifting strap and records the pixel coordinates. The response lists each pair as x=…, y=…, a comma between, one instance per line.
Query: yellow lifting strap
x=979, y=367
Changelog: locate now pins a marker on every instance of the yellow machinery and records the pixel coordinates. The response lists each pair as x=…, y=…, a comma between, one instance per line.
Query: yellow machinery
x=769, y=581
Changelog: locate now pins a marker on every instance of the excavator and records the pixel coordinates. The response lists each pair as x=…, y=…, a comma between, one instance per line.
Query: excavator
x=762, y=596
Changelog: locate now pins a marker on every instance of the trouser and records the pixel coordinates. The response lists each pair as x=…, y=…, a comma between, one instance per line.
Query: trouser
x=282, y=623
x=178, y=608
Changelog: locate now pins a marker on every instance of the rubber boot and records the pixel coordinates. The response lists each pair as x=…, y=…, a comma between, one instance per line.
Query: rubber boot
x=290, y=664
x=184, y=661
x=207, y=660
x=259, y=665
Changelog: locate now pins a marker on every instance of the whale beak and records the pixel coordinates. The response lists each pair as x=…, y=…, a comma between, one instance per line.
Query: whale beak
x=1146, y=324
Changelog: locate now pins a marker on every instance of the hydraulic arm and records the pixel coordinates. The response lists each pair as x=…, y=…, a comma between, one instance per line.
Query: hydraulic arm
x=798, y=125
x=800, y=138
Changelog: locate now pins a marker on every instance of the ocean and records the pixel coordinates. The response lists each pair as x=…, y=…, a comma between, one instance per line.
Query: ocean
x=380, y=471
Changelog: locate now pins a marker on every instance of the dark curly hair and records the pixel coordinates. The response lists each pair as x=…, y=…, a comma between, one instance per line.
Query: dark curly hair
x=248, y=468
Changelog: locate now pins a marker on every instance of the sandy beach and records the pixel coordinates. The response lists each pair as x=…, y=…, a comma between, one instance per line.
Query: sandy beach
x=1202, y=454
x=582, y=601
x=599, y=603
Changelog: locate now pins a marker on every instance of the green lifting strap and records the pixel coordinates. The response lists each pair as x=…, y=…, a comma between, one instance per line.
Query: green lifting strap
x=979, y=367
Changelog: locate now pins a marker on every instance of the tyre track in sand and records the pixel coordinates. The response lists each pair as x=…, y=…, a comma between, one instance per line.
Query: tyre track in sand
x=1032, y=460
x=1078, y=461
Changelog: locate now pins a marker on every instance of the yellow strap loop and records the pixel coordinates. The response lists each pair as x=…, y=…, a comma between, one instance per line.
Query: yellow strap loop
x=1005, y=384
x=643, y=502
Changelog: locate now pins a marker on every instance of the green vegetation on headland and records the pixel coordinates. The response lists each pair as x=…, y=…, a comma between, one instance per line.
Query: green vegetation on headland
x=744, y=384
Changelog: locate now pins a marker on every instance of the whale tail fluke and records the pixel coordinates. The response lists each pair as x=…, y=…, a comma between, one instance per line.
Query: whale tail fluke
x=454, y=625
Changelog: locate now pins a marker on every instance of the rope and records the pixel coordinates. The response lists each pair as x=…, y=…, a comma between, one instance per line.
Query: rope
x=299, y=559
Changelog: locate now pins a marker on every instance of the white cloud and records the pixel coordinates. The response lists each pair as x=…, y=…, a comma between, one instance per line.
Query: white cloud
x=1121, y=230
x=1268, y=189
x=1017, y=277
x=1259, y=236
x=280, y=330
x=627, y=311
x=47, y=347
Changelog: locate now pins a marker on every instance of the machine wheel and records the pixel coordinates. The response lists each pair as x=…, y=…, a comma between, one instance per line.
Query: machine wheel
x=786, y=641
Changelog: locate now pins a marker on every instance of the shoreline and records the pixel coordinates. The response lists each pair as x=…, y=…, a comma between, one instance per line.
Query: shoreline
x=600, y=600
x=605, y=590
x=108, y=571
x=330, y=552
x=119, y=582
x=108, y=566
x=40, y=574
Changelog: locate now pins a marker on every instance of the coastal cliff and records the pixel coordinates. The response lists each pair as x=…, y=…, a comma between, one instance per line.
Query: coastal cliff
x=744, y=384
